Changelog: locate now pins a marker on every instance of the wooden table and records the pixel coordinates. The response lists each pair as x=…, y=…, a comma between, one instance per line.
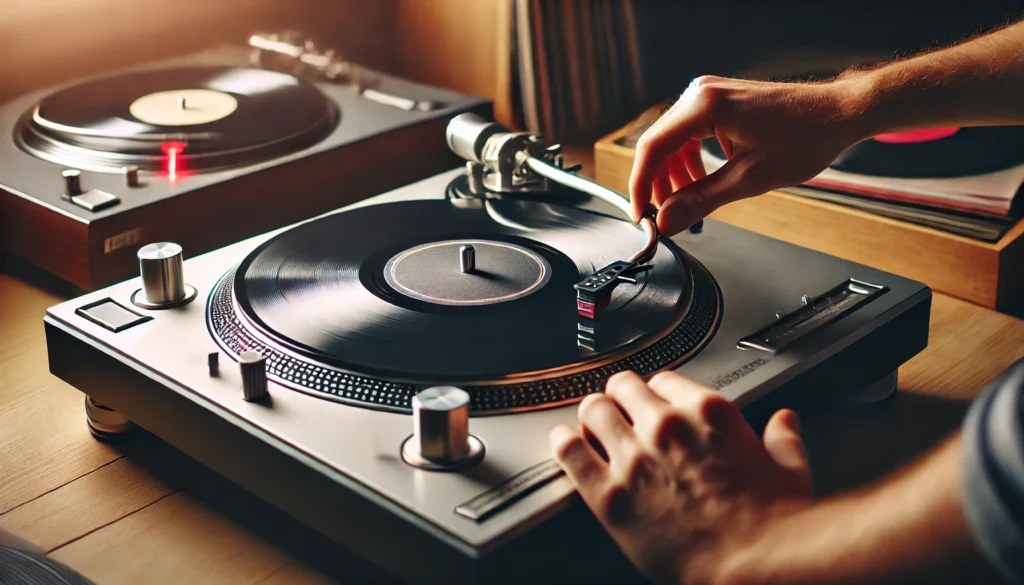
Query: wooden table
x=140, y=511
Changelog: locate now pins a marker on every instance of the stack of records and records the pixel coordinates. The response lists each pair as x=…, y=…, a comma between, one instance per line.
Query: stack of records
x=576, y=65
x=960, y=180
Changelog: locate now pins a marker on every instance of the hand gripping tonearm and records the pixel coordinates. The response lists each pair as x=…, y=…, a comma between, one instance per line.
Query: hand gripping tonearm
x=501, y=161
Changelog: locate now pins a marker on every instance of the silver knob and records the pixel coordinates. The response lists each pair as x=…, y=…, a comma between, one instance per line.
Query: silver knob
x=254, y=375
x=72, y=182
x=441, y=439
x=467, y=259
x=131, y=175
x=163, y=278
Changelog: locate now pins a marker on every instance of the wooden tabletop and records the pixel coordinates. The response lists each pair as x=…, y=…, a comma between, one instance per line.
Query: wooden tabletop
x=140, y=511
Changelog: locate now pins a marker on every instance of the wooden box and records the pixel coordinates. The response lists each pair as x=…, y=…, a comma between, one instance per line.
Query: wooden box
x=988, y=274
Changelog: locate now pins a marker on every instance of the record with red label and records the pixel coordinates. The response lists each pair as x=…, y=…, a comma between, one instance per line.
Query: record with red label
x=928, y=153
x=936, y=152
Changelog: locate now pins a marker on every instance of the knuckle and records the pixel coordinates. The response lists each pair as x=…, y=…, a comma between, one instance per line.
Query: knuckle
x=709, y=90
x=668, y=428
x=647, y=145
x=710, y=405
x=591, y=406
x=705, y=80
x=568, y=447
x=639, y=468
x=615, y=504
x=619, y=383
x=665, y=376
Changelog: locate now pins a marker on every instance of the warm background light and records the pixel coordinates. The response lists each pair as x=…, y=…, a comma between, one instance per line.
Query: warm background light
x=44, y=42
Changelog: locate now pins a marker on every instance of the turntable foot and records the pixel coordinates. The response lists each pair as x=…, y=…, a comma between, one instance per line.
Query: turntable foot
x=873, y=393
x=104, y=423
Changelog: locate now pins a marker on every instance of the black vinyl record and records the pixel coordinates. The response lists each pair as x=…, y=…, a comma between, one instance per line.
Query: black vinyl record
x=964, y=152
x=379, y=290
x=213, y=117
x=19, y=567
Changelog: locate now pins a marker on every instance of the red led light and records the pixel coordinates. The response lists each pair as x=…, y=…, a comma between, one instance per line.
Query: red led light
x=173, y=152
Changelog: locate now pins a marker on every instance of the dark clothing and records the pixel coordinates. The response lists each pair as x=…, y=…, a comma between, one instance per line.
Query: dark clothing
x=993, y=441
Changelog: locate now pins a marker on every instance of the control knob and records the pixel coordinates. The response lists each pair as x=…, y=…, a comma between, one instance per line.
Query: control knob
x=72, y=182
x=441, y=439
x=163, y=277
x=253, y=367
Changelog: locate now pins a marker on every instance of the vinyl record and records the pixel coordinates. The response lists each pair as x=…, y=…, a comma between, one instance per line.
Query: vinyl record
x=201, y=117
x=379, y=289
x=19, y=567
x=937, y=153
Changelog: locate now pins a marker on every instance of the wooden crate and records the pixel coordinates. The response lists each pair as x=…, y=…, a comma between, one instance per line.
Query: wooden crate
x=988, y=274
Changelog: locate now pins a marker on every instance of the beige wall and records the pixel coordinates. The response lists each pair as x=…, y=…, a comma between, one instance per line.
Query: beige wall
x=459, y=44
x=43, y=42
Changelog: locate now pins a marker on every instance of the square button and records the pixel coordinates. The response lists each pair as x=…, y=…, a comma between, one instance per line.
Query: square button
x=111, y=315
x=95, y=200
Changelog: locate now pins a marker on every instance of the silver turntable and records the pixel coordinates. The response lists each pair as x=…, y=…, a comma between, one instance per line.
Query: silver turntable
x=415, y=432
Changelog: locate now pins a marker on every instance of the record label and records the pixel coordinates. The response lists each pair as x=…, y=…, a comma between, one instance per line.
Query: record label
x=504, y=272
x=185, y=107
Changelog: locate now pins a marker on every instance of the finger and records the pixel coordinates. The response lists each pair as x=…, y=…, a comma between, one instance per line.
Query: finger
x=678, y=173
x=693, y=161
x=575, y=455
x=782, y=441
x=697, y=200
x=662, y=188
x=703, y=406
x=602, y=419
x=632, y=395
x=667, y=135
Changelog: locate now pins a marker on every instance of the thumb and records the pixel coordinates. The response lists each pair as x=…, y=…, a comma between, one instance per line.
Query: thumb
x=693, y=202
x=784, y=445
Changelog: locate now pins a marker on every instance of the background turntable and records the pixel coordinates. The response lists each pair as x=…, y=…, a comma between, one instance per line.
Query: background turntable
x=205, y=150
x=177, y=120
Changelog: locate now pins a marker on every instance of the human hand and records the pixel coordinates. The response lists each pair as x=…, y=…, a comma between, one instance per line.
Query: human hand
x=774, y=135
x=676, y=475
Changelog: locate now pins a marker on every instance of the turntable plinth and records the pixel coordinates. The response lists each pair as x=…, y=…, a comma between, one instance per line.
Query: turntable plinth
x=988, y=274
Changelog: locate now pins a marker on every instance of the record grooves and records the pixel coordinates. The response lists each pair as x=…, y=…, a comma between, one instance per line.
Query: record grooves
x=315, y=302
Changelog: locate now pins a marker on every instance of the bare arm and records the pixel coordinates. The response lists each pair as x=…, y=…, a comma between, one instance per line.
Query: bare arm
x=907, y=529
x=693, y=496
x=781, y=134
x=976, y=83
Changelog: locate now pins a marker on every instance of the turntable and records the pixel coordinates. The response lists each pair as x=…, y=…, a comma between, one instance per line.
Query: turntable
x=388, y=373
x=205, y=150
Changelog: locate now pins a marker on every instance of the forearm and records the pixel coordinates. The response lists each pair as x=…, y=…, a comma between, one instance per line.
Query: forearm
x=976, y=83
x=908, y=529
